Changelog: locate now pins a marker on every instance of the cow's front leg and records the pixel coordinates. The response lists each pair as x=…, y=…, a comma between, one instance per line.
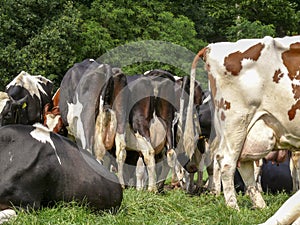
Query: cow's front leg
x=120, y=156
x=247, y=172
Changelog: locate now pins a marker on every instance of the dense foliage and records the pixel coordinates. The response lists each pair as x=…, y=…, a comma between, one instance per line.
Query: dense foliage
x=48, y=36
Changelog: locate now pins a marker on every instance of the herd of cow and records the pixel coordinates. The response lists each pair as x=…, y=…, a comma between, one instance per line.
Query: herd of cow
x=67, y=145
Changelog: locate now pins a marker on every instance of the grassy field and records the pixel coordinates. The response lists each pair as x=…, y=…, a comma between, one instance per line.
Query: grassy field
x=173, y=207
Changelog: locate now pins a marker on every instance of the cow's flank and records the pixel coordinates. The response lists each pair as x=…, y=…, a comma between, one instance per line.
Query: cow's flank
x=39, y=168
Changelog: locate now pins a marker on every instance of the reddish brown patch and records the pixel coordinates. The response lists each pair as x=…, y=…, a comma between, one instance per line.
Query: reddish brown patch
x=233, y=62
x=223, y=104
x=292, y=111
x=59, y=126
x=296, y=91
x=223, y=116
x=291, y=60
x=200, y=54
x=277, y=76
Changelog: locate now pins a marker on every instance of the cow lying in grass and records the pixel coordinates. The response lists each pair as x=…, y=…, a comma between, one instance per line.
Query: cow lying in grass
x=39, y=168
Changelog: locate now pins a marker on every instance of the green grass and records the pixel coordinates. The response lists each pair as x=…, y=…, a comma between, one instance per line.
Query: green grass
x=173, y=207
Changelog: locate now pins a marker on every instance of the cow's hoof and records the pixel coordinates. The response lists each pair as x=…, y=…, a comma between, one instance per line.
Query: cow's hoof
x=152, y=189
x=260, y=205
x=233, y=204
x=171, y=158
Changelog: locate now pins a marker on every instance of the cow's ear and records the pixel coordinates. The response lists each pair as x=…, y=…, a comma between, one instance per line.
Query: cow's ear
x=49, y=88
x=22, y=102
x=24, y=105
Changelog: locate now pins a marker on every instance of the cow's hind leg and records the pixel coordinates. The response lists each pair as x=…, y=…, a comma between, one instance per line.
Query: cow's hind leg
x=162, y=171
x=148, y=152
x=227, y=169
x=140, y=174
x=120, y=156
x=247, y=172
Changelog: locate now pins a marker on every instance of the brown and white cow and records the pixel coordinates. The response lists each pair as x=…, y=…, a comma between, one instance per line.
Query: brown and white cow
x=52, y=117
x=255, y=87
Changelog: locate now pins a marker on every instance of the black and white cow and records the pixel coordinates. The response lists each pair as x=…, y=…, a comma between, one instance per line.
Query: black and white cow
x=39, y=168
x=6, y=116
x=70, y=82
x=151, y=110
x=89, y=93
x=28, y=95
x=93, y=104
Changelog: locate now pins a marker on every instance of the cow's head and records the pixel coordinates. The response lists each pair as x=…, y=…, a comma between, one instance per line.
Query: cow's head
x=29, y=95
x=12, y=111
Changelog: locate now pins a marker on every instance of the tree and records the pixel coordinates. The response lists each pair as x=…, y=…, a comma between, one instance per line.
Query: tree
x=283, y=14
x=246, y=29
x=48, y=36
x=38, y=37
x=111, y=24
x=213, y=18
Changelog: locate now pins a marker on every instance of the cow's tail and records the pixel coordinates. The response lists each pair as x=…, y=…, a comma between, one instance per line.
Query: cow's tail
x=199, y=55
x=188, y=137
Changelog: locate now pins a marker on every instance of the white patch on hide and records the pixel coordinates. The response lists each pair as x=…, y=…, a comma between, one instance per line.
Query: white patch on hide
x=157, y=133
x=11, y=156
x=42, y=134
x=74, y=120
x=3, y=100
x=52, y=121
x=30, y=83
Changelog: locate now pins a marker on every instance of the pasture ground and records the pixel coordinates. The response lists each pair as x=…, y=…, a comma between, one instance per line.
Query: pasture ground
x=142, y=207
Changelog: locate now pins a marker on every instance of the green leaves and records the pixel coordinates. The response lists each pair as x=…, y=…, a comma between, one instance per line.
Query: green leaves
x=48, y=36
x=246, y=29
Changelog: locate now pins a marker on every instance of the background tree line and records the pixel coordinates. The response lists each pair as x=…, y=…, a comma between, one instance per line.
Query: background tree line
x=47, y=37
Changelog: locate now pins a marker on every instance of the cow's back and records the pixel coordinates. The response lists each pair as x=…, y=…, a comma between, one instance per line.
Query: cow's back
x=70, y=82
x=258, y=78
